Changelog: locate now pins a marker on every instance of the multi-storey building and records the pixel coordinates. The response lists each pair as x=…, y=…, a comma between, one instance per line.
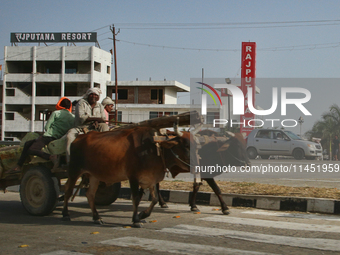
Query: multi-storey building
x=36, y=77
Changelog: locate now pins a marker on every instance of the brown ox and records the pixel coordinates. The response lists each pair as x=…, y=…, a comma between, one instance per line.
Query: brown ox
x=228, y=152
x=120, y=155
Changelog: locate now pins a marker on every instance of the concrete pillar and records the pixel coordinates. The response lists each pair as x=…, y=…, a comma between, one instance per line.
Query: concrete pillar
x=92, y=67
x=33, y=86
x=4, y=97
x=62, y=71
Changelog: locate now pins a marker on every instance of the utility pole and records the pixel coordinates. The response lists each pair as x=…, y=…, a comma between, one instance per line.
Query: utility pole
x=113, y=30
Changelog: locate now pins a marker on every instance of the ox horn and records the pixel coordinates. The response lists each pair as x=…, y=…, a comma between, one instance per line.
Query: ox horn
x=178, y=133
x=197, y=129
x=230, y=133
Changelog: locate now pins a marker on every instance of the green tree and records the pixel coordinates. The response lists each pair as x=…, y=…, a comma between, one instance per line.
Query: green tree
x=327, y=127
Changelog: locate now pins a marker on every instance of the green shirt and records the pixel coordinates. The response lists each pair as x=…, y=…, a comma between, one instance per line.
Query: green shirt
x=59, y=123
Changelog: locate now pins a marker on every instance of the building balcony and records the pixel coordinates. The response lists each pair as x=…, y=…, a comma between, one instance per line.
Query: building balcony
x=77, y=77
x=46, y=100
x=18, y=77
x=48, y=77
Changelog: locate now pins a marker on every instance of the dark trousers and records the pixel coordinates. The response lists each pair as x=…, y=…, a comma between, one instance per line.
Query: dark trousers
x=34, y=147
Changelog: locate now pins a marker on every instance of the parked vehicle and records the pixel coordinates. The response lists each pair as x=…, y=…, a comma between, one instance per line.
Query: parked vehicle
x=267, y=142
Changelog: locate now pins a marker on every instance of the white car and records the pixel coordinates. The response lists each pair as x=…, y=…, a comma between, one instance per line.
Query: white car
x=267, y=142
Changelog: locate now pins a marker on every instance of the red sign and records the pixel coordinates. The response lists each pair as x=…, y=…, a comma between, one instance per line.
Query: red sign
x=248, y=80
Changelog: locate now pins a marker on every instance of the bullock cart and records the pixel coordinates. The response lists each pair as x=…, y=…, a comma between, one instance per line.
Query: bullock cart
x=41, y=186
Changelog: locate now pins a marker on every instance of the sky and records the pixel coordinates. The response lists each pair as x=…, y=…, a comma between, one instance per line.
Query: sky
x=175, y=40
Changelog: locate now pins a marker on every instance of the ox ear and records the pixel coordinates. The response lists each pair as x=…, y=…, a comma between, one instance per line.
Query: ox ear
x=224, y=147
x=168, y=144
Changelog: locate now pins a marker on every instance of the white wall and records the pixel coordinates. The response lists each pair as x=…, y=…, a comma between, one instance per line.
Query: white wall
x=170, y=95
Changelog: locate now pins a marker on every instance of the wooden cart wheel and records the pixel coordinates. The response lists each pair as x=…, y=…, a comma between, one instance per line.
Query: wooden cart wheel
x=39, y=191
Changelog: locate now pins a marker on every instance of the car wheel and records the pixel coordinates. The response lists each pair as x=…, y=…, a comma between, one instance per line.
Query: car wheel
x=265, y=156
x=298, y=154
x=252, y=153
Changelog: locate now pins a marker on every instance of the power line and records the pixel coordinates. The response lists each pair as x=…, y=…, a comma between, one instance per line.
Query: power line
x=225, y=23
x=226, y=26
x=232, y=25
x=280, y=48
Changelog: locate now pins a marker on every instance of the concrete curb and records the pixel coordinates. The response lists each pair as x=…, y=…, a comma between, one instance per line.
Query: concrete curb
x=278, y=203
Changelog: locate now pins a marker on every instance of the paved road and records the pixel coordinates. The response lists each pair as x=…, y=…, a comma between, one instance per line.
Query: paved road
x=288, y=172
x=244, y=231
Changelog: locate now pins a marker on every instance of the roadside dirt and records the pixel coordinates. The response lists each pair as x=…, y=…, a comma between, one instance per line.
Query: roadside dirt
x=251, y=188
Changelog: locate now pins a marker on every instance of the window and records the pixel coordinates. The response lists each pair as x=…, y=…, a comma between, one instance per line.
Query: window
x=279, y=135
x=170, y=113
x=19, y=66
x=9, y=115
x=71, y=67
x=157, y=94
x=48, y=66
x=48, y=89
x=154, y=93
x=122, y=94
x=10, y=92
x=264, y=134
x=97, y=66
x=71, y=70
x=153, y=115
x=71, y=89
x=108, y=69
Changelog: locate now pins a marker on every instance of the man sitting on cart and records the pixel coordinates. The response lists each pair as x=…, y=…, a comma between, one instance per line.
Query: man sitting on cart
x=57, y=126
x=89, y=116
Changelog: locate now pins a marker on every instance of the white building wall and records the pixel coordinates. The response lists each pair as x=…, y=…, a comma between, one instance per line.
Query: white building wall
x=19, y=96
x=170, y=95
x=77, y=53
x=19, y=53
x=139, y=112
x=104, y=58
x=49, y=53
x=20, y=77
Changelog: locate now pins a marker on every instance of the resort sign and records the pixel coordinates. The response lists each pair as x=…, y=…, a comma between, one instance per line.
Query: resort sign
x=53, y=37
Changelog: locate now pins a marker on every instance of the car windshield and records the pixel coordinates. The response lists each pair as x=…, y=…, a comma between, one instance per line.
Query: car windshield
x=292, y=135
